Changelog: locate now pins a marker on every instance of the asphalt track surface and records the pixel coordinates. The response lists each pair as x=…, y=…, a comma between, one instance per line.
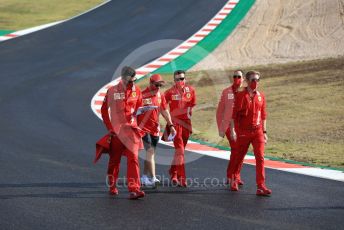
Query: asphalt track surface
x=48, y=133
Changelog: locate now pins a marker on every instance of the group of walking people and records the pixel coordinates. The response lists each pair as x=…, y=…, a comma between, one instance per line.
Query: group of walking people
x=131, y=117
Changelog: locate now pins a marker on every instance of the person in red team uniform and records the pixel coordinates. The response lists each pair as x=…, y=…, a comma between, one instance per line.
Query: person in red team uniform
x=224, y=117
x=181, y=99
x=250, y=114
x=119, y=116
x=149, y=122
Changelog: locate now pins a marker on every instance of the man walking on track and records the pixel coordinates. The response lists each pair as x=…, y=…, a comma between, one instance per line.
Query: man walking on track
x=250, y=114
x=224, y=116
x=181, y=99
x=122, y=102
x=149, y=123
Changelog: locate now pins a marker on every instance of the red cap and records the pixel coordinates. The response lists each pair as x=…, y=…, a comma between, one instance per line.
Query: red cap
x=156, y=78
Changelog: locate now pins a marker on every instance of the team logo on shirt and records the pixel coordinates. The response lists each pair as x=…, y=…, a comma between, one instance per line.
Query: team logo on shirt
x=147, y=101
x=176, y=97
x=230, y=96
x=259, y=98
x=188, y=95
x=133, y=94
x=159, y=101
x=187, y=89
x=118, y=96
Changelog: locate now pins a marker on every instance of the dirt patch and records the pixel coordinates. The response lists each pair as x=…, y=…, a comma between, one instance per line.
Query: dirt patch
x=279, y=31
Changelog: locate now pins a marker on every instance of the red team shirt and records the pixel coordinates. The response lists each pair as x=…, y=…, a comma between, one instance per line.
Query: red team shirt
x=123, y=103
x=181, y=102
x=225, y=109
x=249, y=112
x=149, y=121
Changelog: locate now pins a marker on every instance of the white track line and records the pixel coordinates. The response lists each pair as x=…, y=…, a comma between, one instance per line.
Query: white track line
x=42, y=27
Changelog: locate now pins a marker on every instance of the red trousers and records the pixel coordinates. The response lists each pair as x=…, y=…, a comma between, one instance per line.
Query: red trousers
x=117, y=149
x=180, y=141
x=244, y=139
x=234, y=154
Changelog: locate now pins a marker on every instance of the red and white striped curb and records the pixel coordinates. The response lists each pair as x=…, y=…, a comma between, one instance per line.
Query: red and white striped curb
x=27, y=31
x=97, y=100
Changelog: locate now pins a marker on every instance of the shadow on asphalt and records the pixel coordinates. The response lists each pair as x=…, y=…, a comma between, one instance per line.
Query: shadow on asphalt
x=98, y=190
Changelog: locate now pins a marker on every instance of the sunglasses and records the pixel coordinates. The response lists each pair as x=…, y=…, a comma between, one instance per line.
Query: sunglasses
x=254, y=79
x=158, y=85
x=180, y=79
x=237, y=76
x=131, y=78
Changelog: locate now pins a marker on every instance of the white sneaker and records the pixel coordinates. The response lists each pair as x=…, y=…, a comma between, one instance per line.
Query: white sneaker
x=155, y=180
x=145, y=181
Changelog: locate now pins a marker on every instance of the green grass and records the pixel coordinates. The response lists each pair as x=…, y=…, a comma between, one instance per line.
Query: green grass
x=21, y=14
x=305, y=102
